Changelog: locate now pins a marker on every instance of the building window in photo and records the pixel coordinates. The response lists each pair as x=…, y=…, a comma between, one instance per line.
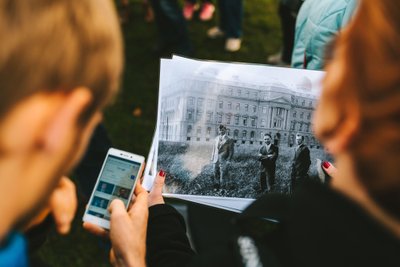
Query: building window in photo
x=228, y=119
x=219, y=118
x=209, y=116
x=200, y=102
x=236, y=120
x=235, y=134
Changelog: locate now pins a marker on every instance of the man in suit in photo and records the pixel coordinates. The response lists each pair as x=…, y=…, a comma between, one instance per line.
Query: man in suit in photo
x=301, y=162
x=222, y=153
x=267, y=155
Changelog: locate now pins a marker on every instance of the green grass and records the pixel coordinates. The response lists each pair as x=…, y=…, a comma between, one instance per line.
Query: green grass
x=191, y=172
x=261, y=37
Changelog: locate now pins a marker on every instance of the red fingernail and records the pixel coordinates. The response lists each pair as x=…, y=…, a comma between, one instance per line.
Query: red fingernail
x=326, y=164
x=161, y=173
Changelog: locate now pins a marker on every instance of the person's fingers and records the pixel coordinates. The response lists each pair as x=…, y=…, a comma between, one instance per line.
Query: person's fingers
x=139, y=188
x=94, y=229
x=117, y=208
x=329, y=168
x=155, y=196
x=140, y=205
x=63, y=204
x=142, y=172
x=113, y=261
x=159, y=182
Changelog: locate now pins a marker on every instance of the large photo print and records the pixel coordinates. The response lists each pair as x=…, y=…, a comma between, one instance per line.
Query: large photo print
x=236, y=130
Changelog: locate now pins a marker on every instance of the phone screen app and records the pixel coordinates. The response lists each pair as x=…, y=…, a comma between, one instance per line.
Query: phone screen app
x=116, y=181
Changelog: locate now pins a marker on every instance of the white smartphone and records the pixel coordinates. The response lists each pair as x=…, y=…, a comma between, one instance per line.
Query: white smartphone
x=117, y=179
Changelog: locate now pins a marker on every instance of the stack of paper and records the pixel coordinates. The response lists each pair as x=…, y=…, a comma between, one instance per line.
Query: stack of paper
x=212, y=121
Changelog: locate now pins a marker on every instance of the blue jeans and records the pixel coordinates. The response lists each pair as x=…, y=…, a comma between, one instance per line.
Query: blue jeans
x=231, y=16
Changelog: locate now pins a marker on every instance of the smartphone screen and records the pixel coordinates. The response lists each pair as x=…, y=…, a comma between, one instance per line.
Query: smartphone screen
x=116, y=180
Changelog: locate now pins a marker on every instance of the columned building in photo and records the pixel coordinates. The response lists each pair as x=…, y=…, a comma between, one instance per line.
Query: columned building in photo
x=192, y=109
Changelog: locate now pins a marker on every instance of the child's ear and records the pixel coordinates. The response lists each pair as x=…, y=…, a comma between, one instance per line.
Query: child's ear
x=64, y=121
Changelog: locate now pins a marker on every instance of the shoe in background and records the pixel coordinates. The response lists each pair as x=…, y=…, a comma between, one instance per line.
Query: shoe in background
x=233, y=44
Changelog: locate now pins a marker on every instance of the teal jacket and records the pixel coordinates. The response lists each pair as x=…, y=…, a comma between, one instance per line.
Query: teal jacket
x=317, y=22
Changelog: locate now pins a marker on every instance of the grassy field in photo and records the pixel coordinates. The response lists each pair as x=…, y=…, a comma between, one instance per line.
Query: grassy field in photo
x=190, y=171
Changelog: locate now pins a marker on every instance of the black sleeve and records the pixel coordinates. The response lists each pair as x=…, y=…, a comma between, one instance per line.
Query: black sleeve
x=167, y=243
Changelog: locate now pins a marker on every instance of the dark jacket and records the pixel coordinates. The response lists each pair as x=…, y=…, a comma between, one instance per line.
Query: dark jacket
x=301, y=163
x=314, y=227
x=268, y=162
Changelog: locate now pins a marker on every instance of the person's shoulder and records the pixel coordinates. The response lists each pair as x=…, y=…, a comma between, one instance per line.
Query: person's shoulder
x=304, y=146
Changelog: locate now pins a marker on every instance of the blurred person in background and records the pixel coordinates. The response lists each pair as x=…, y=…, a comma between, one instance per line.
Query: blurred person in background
x=318, y=22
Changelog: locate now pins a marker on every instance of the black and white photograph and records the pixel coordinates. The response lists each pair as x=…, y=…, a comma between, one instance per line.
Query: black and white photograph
x=236, y=130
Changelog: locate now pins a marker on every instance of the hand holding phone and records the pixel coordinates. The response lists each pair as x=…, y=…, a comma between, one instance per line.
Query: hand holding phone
x=117, y=179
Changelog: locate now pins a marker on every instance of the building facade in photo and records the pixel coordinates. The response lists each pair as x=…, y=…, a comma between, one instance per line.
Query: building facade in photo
x=192, y=109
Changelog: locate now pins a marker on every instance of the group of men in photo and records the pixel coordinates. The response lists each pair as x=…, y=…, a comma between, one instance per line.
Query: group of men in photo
x=223, y=150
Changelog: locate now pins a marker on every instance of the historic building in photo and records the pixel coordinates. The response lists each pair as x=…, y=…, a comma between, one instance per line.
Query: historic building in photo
x=192, y=109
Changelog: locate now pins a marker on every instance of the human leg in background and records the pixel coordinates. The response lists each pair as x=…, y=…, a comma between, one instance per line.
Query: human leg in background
x=288, y=22
x=230, y=25
x=171, y=26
